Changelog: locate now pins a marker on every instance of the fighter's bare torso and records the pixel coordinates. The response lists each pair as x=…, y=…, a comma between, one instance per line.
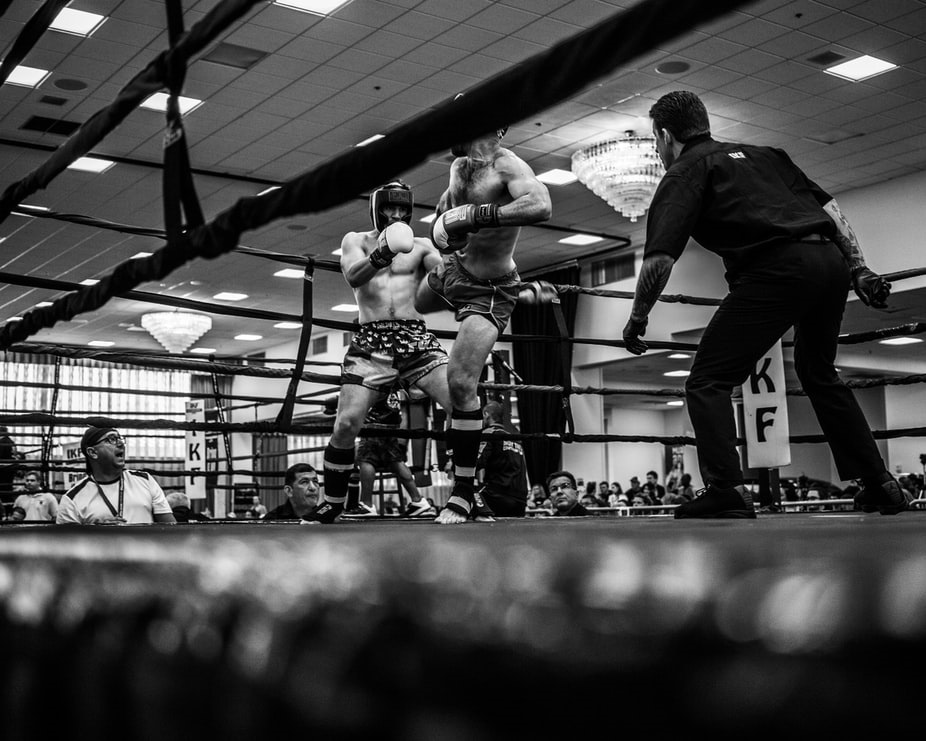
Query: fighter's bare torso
x=390, y=293
x=490, y=252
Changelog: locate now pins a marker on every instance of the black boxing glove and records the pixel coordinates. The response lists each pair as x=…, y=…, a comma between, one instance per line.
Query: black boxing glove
x=634, y=329
x=537, y=292
x=449, y=230
x=870, y=287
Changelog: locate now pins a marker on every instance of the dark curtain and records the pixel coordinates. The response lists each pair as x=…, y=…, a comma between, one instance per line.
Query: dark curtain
x=541, y=363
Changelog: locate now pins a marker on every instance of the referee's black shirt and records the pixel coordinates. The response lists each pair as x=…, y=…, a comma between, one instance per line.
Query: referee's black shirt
x=735, y=200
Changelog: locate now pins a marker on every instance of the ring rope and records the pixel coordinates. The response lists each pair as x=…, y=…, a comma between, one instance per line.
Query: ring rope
x=41, y=418
x=145, y=360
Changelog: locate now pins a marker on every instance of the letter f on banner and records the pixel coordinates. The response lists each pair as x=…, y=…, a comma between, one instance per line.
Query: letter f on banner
x=765, y=408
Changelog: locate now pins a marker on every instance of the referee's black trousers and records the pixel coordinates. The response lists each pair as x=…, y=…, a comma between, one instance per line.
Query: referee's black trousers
x=798, y=284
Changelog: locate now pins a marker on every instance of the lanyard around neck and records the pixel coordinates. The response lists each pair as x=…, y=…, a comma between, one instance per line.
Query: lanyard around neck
x=116, y=513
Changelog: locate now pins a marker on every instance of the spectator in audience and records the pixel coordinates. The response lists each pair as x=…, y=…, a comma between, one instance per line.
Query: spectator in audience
x=36, y=503
x=9, y=463
x=564, y=495
x=684, y=492
x=300, y=485
x=257, y=508
x=657, y=490
x=180, y=505
x=110, y=493
x=537, y=496
x=633, y=488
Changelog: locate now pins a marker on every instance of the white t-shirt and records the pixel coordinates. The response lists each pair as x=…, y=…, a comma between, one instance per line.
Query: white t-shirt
x=38, y=506
x=85, y=502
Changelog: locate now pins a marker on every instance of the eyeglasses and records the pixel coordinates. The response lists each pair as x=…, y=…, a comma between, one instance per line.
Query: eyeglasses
x=112, y=439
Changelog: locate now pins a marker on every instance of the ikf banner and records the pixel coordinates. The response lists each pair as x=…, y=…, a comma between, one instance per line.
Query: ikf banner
x=765, y=410
x=195, y=451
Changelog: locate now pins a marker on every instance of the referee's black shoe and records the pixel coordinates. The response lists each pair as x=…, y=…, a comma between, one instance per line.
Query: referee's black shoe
x=887, y=497
x=714, y=503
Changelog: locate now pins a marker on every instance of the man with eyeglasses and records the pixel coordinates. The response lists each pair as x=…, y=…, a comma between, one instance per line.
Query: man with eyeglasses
x=112, y=494
x=564, y=495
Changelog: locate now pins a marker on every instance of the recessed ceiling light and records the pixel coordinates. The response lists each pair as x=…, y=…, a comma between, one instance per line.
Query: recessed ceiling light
x=248, y=337
x=581, y=239
x=101, y=343
x=428, y=219
x=229, y=296
x=27, y=76
x=557, y=177
x=90, y=164
x=203, y=350
x=288, y=325
x=860, y=68
x=676, y=403
x=677, y=374
x=89, y=281
x=158, y=102
x=679, y=356
x=78, y=22
x=369, y=140
x=900, y=341
x=140, y=255
x=345, y=307
x=289, y=273
x=318, y=7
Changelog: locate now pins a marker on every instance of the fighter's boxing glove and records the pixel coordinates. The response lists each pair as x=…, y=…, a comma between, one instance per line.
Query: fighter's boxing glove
x=449, y=230
x=537, y=292
x=396, y=238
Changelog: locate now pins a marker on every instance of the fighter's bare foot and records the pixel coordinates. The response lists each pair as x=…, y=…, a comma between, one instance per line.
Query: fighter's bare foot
x=448, y=517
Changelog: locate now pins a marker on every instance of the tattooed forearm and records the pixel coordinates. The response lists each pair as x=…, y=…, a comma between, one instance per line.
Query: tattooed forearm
x=654, y=274
x=845, y=237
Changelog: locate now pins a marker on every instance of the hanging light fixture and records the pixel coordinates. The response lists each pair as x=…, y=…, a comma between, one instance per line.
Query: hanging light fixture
x=176, y=330
x=623, y=171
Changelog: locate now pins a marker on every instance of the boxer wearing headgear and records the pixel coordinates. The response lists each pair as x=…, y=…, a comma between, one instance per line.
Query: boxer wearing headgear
x=392, y=348
x=492, y=193
x=395, y=193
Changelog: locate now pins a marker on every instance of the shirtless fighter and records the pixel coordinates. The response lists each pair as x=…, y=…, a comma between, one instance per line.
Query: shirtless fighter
x=392, y=346
x=492, y=193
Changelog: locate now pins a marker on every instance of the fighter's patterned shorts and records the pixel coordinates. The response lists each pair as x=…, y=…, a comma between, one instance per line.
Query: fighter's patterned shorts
x=385, y=353
x=379, y=452
x=493, y=298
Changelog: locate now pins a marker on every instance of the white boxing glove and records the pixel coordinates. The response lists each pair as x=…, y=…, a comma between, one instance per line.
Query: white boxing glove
x=450, y=231
x=396, y=238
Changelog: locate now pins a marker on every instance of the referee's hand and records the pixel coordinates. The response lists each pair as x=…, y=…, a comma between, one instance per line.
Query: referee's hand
x=633, y=331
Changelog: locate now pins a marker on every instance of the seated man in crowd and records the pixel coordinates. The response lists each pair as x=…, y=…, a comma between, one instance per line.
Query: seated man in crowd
x=110, y=493
x=565, y=495
x=181, y=507
x=36, y=503
x=300, y=485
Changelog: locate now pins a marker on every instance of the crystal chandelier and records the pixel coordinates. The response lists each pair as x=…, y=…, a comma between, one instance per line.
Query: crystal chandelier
x=176, y=330
x=624, y=172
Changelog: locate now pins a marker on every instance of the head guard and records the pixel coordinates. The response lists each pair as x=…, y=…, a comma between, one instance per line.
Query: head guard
x=395, y=193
